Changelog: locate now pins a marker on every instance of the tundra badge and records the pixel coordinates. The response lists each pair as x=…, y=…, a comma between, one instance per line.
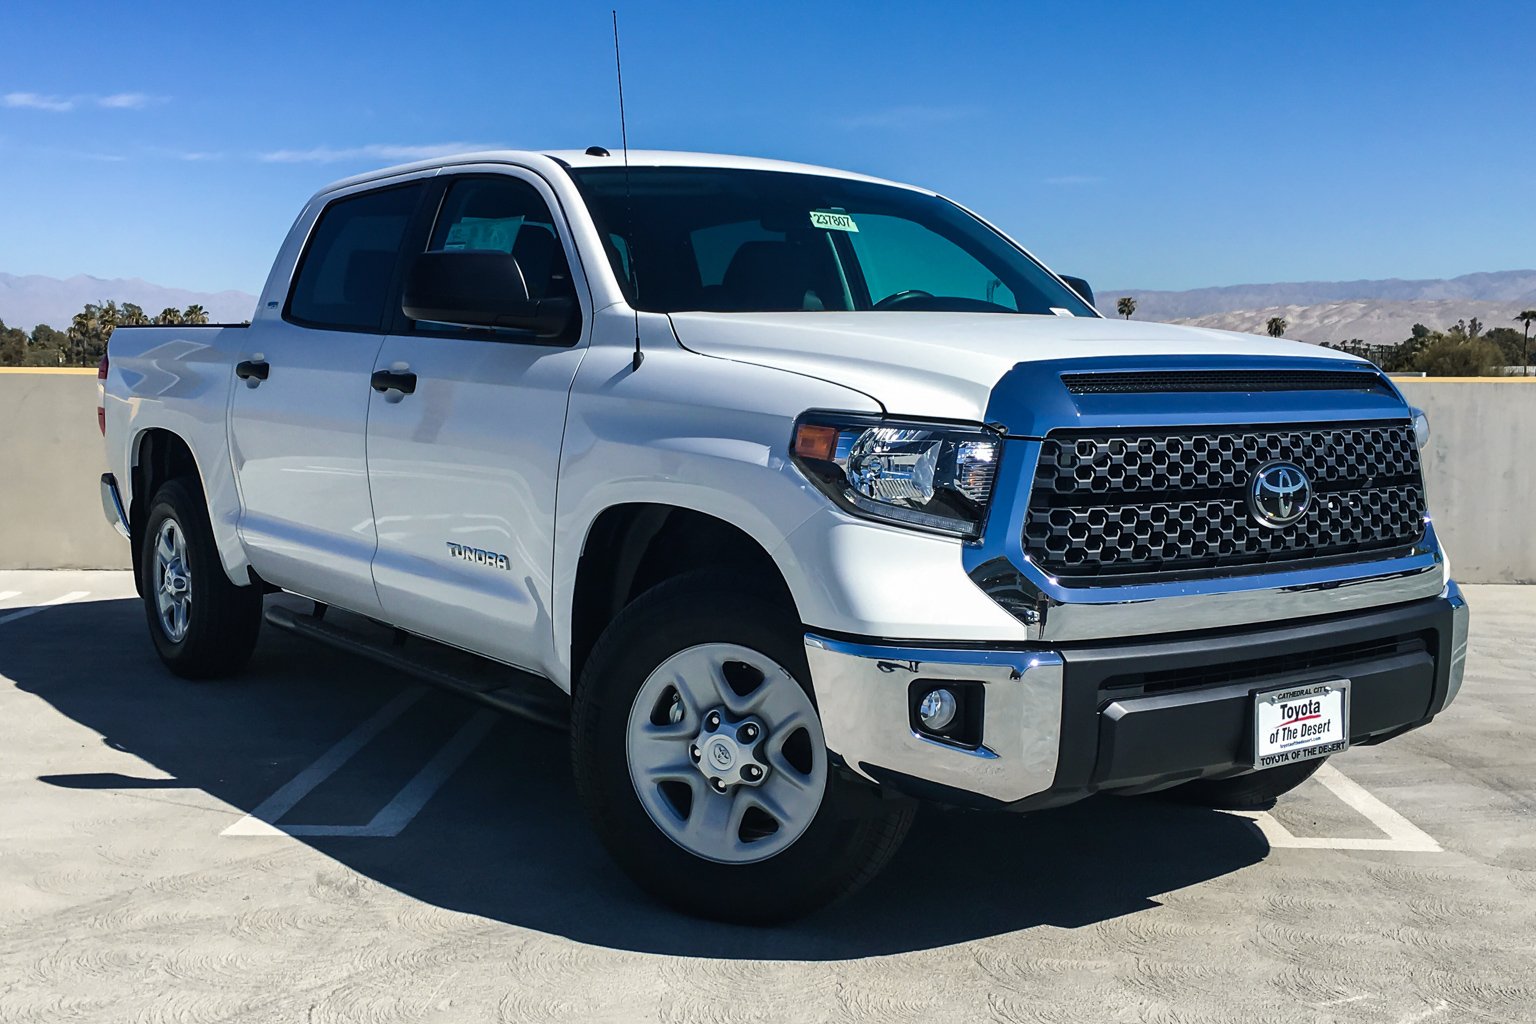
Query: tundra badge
x=489, y=559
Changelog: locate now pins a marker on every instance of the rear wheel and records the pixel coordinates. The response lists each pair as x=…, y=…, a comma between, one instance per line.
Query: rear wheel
x=699, y=755
x=203, y=626
x=1255, y=791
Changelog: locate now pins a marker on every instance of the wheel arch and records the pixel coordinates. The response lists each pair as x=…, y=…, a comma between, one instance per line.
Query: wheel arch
x=632, y=547
x=159, y=454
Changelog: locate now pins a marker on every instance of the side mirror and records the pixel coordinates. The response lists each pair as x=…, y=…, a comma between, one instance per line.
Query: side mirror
x=1080, y=286
x=474, y=288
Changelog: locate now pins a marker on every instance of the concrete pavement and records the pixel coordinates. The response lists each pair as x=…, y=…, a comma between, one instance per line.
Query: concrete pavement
x=136, y=883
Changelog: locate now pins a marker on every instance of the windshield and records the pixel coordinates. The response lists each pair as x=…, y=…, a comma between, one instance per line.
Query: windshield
x=743, y=241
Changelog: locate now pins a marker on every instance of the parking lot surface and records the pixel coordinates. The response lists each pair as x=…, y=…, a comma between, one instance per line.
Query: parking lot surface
x=324, y=840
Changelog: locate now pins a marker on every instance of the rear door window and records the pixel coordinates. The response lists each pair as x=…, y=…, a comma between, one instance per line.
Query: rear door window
x=347, y=270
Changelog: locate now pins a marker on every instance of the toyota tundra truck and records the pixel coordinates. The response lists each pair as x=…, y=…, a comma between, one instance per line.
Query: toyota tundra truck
x=800, y=497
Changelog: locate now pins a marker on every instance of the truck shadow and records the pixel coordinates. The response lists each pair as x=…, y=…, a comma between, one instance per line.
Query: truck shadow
x=505, y=840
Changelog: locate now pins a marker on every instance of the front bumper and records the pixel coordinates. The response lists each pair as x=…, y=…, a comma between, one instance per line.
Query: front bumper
x=1061, y=722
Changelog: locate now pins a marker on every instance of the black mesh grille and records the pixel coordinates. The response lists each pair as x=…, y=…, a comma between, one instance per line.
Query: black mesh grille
x=1223, y=380
x=1159, y=502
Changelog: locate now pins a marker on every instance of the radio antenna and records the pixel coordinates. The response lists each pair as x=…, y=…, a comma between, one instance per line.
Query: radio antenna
x=629, y=206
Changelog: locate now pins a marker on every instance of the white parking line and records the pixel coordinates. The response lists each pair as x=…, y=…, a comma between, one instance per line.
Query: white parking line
x=1403, y=836
x=6, y=595
x=392, y=819
x=73, y=595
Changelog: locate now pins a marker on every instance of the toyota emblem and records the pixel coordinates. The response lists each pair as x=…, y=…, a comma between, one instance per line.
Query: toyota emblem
x=1279, y=494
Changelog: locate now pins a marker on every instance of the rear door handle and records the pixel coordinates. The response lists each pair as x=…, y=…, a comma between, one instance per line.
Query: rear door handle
x=258, y=368
x=402, y=381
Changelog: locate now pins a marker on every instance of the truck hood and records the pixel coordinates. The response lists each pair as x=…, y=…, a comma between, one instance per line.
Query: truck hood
x=944, y=365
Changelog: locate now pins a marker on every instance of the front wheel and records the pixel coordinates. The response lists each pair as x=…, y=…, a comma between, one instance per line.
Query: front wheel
x=203, y=626
x=699, y=755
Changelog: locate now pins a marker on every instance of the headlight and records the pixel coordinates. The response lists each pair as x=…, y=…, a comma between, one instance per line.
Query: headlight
x=924, y=475
x=1420, y=429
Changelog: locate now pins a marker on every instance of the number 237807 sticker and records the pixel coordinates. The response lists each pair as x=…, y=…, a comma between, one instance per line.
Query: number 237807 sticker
x=833, y=220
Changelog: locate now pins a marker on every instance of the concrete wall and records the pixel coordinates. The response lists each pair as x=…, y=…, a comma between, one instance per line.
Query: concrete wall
x=51, y=461
x=1481, y=473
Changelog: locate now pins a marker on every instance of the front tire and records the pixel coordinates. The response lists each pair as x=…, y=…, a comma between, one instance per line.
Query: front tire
x=1256, y=791
x=203, y=626
x=698, y=753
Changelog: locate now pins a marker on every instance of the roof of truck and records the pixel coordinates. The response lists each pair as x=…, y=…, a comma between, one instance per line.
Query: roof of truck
x=637, y=158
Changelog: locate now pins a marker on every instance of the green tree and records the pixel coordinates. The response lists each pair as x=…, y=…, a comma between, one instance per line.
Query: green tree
x=195, y=314
x=89, y=330
x=13, y=345
x=48, y=346
x=1525, y=316
x=1276, y=326
x=1125, y=306
x=169, y=316
x=1509, y=341
x=132, y=316
x=1450, y=355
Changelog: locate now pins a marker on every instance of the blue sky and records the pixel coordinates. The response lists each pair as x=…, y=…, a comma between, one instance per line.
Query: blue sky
x=1153, y=145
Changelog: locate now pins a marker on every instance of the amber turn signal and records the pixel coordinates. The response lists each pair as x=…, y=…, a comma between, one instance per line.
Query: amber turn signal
x=814, y=441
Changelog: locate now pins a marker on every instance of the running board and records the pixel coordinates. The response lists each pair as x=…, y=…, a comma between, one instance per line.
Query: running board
x=501, y=686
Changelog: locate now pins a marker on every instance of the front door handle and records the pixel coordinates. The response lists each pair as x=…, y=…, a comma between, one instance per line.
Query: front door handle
x=257, y=368
x=402, y=381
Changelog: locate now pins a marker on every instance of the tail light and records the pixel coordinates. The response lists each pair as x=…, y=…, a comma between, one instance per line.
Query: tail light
x=101, y=395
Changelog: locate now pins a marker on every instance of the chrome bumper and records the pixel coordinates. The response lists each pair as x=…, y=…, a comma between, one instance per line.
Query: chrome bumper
x=112, y=504
x=1461, y=620
x=862, y=694
x=1046, y=726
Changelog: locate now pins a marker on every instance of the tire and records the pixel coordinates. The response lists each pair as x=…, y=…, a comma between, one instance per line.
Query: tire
x=212, y=632
x=1255, y=791
x=831, y=835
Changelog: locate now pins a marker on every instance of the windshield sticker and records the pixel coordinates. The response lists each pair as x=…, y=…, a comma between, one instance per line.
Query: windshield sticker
x=1062, y=312
x=833, y=220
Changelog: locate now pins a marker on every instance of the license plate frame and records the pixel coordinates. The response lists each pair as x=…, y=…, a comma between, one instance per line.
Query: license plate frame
x=1271, y=748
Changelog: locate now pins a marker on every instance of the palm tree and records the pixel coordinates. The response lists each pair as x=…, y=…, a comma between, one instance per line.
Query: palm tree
x=1525, y=316
x=195, y=314
x=1276, y=326
x=169, y=315
x=1125, y=306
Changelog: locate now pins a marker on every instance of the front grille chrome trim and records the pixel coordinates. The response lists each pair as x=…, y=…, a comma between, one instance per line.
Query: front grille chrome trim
x=1054, y=611
x=1170, y=502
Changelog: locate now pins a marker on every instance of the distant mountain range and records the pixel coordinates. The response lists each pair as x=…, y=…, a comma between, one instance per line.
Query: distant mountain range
x=1378, y=323
x=1500, y=286
x=1379, y=312
x=33, y=299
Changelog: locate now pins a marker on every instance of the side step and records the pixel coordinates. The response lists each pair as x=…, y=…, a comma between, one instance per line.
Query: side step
x=501, y=686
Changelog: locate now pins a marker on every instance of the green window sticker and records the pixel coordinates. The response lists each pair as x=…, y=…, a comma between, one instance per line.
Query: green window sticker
x=833, y=220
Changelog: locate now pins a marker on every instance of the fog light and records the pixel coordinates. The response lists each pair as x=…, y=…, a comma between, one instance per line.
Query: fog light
x=937, y=709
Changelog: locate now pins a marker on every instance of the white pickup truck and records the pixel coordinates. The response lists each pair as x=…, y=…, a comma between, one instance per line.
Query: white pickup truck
x=802, y=496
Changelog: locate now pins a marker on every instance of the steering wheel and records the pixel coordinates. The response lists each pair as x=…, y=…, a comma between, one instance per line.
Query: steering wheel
x=892, y=301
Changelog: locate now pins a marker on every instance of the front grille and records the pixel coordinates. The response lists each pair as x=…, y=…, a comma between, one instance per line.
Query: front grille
x=1182, y=381
x=1174, y=503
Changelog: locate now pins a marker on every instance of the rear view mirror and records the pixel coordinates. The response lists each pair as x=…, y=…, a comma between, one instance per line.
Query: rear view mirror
x=475, y=288
x=1083, y=288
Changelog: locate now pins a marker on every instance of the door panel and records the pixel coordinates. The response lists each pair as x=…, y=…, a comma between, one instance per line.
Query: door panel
x=469, y=460
x=298, y=419
x=299, y=443
x=463, y=470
